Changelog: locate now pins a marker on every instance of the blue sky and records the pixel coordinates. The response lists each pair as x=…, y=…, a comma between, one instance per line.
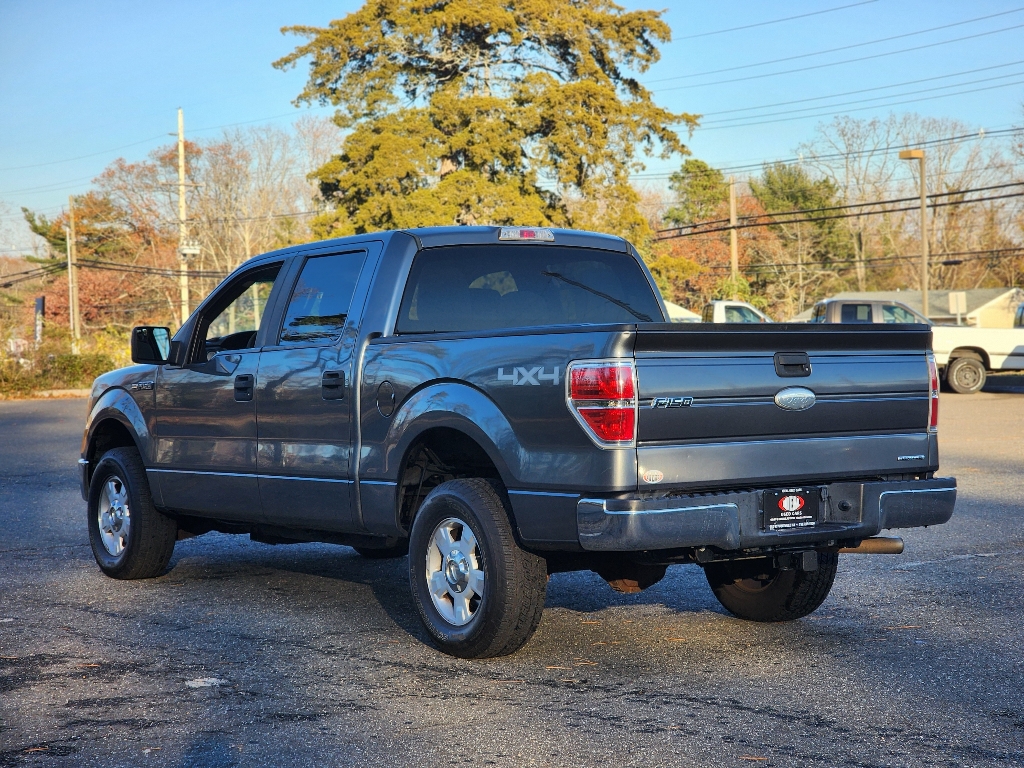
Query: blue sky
x=82, y=83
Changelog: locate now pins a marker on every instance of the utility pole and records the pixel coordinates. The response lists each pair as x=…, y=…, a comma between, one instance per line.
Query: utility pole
x=182, y=226
x=74, y=317
x=918, y=154
x=734, y=251
x=71, y=291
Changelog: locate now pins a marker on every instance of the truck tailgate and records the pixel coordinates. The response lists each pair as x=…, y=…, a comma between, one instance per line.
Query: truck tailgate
x=708, y=412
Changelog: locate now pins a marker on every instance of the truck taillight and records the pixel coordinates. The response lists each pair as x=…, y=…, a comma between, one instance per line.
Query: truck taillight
x=933, y=394
x=602, y=397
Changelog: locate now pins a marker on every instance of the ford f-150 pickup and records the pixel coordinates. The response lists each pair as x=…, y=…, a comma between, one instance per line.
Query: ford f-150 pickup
x=504, y=403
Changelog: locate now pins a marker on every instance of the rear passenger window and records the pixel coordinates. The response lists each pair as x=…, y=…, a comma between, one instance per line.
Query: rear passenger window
x=475, y=288
x=320, y=301
x=856, y=313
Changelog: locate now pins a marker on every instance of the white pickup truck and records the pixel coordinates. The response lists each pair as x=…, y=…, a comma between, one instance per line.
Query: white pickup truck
x=965, y=355
x=725, y=311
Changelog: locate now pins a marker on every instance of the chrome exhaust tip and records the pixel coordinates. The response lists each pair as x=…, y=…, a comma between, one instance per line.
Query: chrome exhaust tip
x=876, y=545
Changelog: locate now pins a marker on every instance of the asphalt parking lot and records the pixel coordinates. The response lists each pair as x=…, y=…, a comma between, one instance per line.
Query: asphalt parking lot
x=254, y=655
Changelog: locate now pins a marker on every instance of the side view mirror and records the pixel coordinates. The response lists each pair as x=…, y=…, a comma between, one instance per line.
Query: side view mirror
x=150, y=344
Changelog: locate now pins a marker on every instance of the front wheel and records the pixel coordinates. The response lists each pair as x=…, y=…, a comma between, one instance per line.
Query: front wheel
x=478, y=593
x=965, y=375
x=130, y=539
x=758, y=590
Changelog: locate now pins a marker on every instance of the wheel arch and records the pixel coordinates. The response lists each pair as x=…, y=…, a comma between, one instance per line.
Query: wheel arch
x=975, y=353
x=116, y=421
x=444, y=431
x=436, y=455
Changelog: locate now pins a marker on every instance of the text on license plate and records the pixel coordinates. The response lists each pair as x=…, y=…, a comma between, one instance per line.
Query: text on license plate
x=791, y=508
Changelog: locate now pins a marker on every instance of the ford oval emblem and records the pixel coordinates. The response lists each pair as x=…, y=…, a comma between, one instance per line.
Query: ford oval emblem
x=795, y=399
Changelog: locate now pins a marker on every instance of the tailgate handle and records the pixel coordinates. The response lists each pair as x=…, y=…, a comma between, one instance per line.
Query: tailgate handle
x=792, y=364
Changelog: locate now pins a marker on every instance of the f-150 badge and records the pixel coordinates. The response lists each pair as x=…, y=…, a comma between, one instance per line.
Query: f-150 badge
x=671, y=402
x=521, y=376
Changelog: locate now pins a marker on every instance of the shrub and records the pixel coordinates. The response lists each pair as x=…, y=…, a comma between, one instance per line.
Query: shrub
x=72, y=371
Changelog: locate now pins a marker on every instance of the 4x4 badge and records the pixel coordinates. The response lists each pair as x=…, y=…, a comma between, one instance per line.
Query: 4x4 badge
x=535, y=375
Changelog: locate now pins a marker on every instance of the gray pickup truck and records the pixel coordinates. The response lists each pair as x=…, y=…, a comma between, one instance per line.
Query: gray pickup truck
x=503, y=404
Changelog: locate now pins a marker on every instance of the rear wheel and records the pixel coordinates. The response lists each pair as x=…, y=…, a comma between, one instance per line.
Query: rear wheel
x=965, y=375
x=130, y=539
x=478, y=593
x=760, y=591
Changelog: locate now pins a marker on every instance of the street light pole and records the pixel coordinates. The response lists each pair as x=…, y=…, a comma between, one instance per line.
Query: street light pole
x=918, y=154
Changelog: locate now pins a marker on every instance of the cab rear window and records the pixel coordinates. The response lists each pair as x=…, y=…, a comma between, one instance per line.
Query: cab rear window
x=477, y=288
x=856, y=313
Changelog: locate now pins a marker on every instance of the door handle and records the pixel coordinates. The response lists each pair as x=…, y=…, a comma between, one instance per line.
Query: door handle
x=332, y=385
x=244, y=385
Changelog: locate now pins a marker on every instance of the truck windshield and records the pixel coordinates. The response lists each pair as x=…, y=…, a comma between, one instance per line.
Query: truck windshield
x=742, y=315
x=894, y=313
x=485, y=287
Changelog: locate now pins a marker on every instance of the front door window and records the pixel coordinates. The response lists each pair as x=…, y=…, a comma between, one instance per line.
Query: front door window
x=235, y=316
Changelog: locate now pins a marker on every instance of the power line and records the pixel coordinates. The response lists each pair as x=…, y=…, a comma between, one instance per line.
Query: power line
x=827, y=217
x=847, y=206
x=34, y=274
x=115, y=266
x=775, y=21
x=982, y=134
x=1007, y=253
x=863, y=90
x=861, y=109
x=865, y=100
x=49, y=187
x=289, y=215
x=145, y=141
x=833, y=63
x=840, y=48
x=80, y=157
x=110, y=266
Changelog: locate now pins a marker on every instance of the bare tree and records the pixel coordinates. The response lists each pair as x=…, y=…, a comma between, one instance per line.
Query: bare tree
x=856, y=155
x=862, y=158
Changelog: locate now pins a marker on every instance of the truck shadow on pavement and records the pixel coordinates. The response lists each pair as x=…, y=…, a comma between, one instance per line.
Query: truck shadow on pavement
x=683, y=591
x=285, y=628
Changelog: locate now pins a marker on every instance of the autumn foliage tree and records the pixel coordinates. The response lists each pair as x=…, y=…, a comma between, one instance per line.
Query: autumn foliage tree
x=460, y=112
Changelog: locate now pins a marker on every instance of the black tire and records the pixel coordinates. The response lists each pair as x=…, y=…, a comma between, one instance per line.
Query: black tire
x=384, y=553
x=143, y=547
x=965, y=375
x=514, y=582
x=758, y=591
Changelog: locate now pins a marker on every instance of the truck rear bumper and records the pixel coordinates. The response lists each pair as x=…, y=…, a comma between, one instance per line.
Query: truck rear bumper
x=732, y=521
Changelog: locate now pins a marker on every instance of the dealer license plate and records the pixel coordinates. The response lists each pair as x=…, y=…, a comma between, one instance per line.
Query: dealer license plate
x=791, y=509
